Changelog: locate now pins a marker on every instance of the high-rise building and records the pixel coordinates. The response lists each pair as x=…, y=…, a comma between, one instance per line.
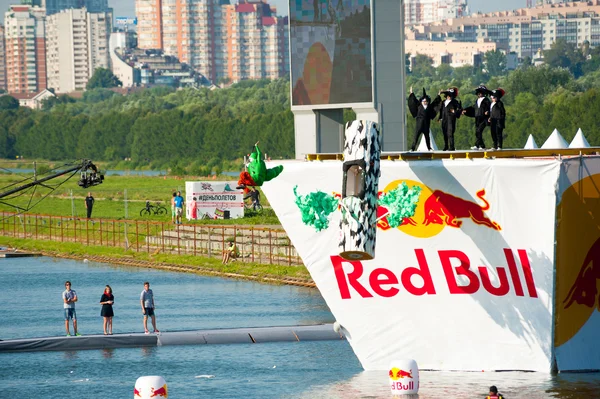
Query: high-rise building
x=26, y=49
x=426, y=11
x=77, y=44
x=54, y=6
x=95, y=6
x=256, y=43
x=219, y=40
x=2, y=60
x=149, y=15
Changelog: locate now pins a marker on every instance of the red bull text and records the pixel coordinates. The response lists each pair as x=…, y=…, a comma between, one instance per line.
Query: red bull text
x=386, y=283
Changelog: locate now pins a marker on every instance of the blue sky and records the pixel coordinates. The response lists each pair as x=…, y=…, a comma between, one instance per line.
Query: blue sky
x=126, y=8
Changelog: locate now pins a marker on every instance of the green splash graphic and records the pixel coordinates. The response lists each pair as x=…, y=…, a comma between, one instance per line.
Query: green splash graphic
x=401, y=203
x=316, y=208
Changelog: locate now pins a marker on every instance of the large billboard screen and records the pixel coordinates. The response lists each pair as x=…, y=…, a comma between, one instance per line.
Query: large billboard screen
x=331, y=52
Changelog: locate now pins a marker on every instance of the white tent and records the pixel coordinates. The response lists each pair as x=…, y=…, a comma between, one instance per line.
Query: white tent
x=579, y=141
x=555, y=141
x=531, y=144
x=423, y=145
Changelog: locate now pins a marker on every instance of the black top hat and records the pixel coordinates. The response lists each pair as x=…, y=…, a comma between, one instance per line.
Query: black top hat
x=498, y=93
x=452, y=92
x=483, y=90
x=425, y=97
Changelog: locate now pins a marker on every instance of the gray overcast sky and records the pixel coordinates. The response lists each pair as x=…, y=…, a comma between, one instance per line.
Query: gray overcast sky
x=126, y=8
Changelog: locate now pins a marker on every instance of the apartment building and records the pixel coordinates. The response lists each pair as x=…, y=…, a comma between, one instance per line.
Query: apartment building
x=455, y=54
x=220, y=40
x=2, y=60
x=25, y=48
x=55, y=6
x=524, y=31
x=149, y=15
x=427, y=11
x=256, y=44
x=77, y=44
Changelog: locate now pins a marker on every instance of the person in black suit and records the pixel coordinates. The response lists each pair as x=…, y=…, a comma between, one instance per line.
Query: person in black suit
x=497, y=117
x=481, y=112
x=424, y=111
x=450, y=111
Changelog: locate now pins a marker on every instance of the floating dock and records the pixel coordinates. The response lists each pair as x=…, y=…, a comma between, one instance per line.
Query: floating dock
x=255, y=335
x=13, y=253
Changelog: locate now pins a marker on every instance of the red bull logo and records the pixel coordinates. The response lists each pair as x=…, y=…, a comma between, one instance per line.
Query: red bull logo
x=396, y=373
x=456, y=265
x=584, y=290
x=136, y=393
x=437, y=209
x=577, y=258
x=397, y=384
x=162, y=391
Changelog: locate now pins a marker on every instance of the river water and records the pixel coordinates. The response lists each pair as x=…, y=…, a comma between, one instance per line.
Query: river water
x=30, y=295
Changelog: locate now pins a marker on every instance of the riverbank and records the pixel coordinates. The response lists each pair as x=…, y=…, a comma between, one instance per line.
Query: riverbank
x=271, y=274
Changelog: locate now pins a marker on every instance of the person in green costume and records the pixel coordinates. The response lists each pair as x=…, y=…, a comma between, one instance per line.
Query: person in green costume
x=257, y=171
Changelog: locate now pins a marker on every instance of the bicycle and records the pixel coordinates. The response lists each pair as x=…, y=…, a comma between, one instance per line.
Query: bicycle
x=252, y=202
x=206, y=216
x=150, y=209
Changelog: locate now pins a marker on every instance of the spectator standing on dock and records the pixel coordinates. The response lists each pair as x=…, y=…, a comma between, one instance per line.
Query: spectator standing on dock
x=173, y=214
x=107, y=313
x=147, y=302
x=69, y=298
x=179, y=202
x=89, y=204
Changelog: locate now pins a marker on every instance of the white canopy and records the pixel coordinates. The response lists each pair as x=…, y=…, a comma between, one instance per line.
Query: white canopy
x=555, y=141
x=579, y=141
x=531, y=144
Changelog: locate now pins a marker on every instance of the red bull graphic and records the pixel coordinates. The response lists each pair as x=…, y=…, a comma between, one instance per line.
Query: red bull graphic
x=437, y=209
x=396, y=373
x=444, y=208
x=136, y=393
x=162, y=391
x=584, y=290
x=578, y=258
x=388, y=283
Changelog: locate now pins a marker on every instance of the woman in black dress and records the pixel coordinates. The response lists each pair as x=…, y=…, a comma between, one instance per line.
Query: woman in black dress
x=107, y=301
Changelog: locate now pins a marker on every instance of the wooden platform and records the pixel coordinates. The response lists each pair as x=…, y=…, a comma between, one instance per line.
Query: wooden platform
x=467, y=154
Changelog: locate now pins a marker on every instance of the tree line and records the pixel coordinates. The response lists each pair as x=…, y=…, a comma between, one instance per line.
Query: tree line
x=159, y=127
x=199, y=130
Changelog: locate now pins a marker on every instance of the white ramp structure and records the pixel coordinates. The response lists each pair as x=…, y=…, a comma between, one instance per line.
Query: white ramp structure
x=530, y=144
x=555, y=141
x=579, y=141
x=423, y=145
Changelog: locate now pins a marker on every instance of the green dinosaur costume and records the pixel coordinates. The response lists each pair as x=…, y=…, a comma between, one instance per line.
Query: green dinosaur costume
x=258, y=169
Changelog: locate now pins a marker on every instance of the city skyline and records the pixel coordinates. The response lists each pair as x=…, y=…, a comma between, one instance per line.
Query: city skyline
x=126, y=8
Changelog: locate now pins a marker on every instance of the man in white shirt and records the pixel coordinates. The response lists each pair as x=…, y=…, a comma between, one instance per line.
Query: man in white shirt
x=69, y=298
